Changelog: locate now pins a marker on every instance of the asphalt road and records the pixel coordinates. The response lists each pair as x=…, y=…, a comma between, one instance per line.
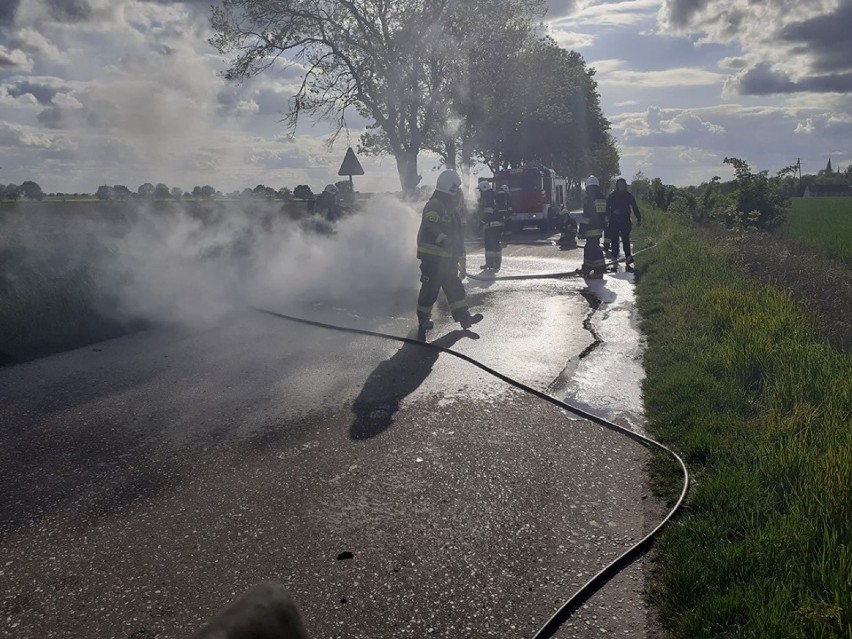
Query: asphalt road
x=147, y=481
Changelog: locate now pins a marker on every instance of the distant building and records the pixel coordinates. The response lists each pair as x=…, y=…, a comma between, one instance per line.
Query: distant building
x=828, y=190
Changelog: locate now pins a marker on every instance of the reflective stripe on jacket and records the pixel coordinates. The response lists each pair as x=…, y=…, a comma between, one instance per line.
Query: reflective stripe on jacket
x=440, y=233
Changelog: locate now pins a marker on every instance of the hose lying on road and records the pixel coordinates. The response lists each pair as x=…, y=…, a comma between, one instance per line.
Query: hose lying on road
x=546, y=276
x=601, y=578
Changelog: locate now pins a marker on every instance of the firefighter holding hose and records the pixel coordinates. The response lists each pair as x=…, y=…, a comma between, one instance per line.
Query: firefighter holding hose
x=593, y=223
x=440, y=249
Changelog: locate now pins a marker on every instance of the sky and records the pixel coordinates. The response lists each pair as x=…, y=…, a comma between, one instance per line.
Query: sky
x=129, y=91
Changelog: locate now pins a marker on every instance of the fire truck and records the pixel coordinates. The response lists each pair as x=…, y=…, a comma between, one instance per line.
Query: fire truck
x=537, y=196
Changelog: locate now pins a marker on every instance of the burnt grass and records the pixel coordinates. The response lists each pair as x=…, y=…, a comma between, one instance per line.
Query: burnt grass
x=821, y=285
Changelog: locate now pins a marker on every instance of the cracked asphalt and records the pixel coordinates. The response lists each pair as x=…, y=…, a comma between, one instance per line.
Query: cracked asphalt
x=149, y=480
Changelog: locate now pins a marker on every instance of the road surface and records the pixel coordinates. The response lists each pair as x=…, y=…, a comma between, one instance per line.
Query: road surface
x=149, y=480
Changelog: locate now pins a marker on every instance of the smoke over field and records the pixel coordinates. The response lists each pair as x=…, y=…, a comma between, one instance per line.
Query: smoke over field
x=72, y=274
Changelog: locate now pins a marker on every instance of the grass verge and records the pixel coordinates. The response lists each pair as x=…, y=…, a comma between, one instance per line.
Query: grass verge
x=760, y=409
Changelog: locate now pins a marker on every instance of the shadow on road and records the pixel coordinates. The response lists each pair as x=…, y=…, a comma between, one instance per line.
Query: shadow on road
x=392, y=381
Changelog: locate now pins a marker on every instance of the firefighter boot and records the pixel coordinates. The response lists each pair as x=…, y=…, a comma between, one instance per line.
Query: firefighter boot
x=426, y=324
x=470, y=320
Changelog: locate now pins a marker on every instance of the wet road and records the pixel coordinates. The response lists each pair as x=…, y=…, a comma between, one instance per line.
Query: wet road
x=149, y=480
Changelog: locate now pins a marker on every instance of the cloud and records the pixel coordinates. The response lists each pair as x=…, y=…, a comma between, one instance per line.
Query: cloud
x=828, y=37
x=42, y=88
x=788, y=46
x=678, y=77
x=805, y=127
x=765, y=79
x=14, y=59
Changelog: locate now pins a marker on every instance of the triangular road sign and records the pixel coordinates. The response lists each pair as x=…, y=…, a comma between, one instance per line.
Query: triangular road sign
x=351, y=166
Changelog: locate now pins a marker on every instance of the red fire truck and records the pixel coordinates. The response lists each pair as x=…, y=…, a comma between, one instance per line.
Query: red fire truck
x=537, y=196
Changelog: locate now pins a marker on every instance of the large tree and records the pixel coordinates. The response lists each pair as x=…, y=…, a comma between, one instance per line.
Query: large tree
x=546, y=108
x=397, y=62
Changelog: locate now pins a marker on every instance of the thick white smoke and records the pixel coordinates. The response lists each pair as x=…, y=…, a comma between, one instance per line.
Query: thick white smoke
x=178, y=267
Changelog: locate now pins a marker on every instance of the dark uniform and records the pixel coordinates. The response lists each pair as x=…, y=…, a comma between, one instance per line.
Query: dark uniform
x=618, y=207
x=593, y=224
x=440, y=249
x=492, y=225
x=327, y=206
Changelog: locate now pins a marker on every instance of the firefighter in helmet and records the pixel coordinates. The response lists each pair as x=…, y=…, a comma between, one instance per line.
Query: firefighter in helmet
x=619, y=204
x=440, y=249
x=593, y=222
x=327, y=204
x=491, y=225
x=504, y=210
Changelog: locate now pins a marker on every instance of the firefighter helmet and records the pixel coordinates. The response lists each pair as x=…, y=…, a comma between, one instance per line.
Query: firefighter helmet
x=331, y=188
x=592, y=181
x=484, y=185
x=448, y=182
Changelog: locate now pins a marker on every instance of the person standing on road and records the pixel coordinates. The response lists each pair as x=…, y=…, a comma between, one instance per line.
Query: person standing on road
x=440, y=249
x=618, y=206
x=492, y=226
x=327, y=204
x=594, y=222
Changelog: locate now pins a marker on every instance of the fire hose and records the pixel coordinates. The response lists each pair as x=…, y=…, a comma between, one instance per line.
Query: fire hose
x=626, y=558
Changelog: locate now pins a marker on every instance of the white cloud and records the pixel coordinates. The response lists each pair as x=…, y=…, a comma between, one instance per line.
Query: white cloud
x=805, y=127
x=675, y=78
x=15, y=59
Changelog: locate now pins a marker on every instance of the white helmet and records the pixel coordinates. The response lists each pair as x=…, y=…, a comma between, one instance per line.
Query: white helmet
x=592, y=181
x=505, y=188
x=448, y=182
x=484, y=185
x=331, y=188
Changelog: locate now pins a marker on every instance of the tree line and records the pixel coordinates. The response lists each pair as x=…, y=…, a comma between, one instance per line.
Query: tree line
x=751, y=200
x=474, y=82
x=147, y=191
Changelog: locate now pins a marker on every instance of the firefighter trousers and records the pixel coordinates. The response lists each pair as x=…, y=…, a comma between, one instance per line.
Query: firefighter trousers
x=493, y=247
x=593, y=257
x=620, y=232
x=436, y=274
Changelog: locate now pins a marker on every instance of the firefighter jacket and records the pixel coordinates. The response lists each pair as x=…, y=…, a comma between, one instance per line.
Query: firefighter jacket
x=503, y=206
x=328, y=206
x=441, y=233
x=618, y=207
x=488, y=216
x=594, y=219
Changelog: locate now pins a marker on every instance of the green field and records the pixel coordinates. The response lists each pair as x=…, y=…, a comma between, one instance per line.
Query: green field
x=823, y=225
x=760, y=409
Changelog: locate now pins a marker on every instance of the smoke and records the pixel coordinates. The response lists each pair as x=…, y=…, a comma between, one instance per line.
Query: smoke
x=190, y=267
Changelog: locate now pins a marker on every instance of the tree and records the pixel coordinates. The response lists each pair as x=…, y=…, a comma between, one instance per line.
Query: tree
x=207, y=191
x=196, y=191
x=11, y=192
x=303, y=192
x=121, y=192
x=31, y=190
x=285, y=194
x=146, y=190
x=394, y=61
x=177, y=192
x=546, y=108
x=161, y=191
x=104, y=192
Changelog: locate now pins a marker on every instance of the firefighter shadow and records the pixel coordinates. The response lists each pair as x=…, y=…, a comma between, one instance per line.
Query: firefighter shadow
x=392, y=381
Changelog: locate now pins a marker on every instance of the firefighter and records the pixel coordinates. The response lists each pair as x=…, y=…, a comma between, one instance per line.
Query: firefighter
x=491, y=225
x=504, y=211
x=327, y=204
x=618, y=206
x=440, y=249
x=567, y=228
x=593, y=223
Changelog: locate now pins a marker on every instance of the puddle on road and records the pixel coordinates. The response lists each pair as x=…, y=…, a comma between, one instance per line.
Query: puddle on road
x=607, y=379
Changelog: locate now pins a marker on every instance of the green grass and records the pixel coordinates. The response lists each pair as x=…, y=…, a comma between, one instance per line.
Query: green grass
x=760, y=410
x=823, y=225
